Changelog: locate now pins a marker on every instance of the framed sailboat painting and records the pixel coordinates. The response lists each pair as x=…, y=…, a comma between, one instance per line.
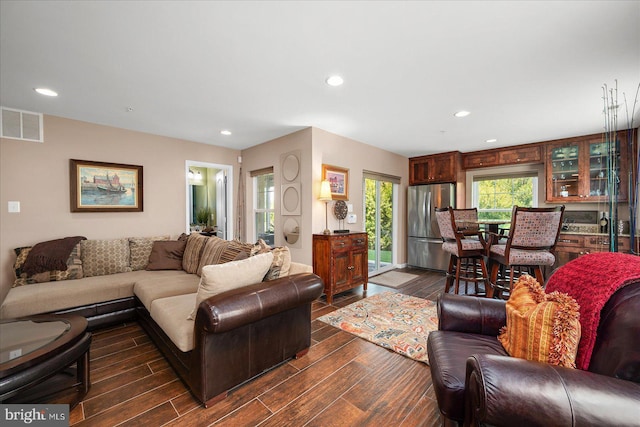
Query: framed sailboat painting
x=105, y=187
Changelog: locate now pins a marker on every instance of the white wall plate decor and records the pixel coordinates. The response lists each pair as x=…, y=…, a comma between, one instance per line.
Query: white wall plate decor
x=290, y=199
x=291, y=231
x=290, y=167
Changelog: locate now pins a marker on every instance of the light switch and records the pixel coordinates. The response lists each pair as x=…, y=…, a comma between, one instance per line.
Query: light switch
x=13, y=207
x=352, y=218
x=349, y=207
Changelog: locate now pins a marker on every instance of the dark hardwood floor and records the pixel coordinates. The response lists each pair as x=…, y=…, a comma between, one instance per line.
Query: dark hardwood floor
x=342, y=381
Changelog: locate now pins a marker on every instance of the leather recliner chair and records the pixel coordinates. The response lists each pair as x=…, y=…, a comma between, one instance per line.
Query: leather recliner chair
x=477, y=383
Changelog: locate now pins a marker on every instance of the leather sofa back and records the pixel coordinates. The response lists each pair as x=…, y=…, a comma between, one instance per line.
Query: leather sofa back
x=617, y=349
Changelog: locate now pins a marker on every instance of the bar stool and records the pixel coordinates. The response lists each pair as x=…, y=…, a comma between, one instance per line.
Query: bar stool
x=532, y=238
x=467, y=248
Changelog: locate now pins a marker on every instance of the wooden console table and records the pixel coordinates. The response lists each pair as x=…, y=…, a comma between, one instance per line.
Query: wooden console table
x=341, y=260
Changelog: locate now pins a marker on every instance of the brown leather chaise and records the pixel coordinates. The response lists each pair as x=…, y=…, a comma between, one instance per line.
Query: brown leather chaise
x=242, y=333
x=477, y=383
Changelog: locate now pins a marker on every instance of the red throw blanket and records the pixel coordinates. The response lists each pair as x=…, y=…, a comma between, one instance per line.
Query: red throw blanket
x=51, y=255
x=591, y=280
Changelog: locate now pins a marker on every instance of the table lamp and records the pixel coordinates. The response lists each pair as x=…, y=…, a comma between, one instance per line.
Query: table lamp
x=325, y=196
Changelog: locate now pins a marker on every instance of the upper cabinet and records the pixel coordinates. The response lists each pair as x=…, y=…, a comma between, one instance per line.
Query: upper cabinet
x=577, y=169
x=530, y=153
x=436, y=168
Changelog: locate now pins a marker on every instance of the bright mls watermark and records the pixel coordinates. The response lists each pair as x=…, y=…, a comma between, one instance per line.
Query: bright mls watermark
x=34, y=415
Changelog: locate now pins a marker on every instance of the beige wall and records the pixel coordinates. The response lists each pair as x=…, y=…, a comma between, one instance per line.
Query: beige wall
x=268, y=154
x=37, y=175
x=332, y=149
x=317, y=147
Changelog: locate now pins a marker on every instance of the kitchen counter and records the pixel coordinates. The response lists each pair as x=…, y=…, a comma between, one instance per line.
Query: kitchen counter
x=585, y=233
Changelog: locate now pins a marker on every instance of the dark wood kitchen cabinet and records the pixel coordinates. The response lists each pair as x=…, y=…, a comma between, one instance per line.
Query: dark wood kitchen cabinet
x=571, y=246
x=520, y=154
x=577, y=169
x=436, y=168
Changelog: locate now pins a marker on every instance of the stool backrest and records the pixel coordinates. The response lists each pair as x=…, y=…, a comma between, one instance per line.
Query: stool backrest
x=464, y=220
x=444, y=217
x=535, y=228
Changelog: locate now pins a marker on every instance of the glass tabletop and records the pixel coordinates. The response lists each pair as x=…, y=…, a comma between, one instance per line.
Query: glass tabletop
x=21, y=337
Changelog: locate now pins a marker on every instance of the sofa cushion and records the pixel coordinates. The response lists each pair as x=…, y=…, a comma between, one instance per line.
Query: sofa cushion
x=171, y=315
x=48, y=297
x=281, y=259
x=74, y=268
x=541, y=327
x=103, y=257
x=298, y=268
x=231, y=275
x=212, y=252
x=140, y=249
x=166, y=255
x=162, y=284
x=193, y=251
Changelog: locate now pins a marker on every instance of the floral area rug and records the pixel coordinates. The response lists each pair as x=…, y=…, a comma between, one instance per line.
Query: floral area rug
x=391, y=320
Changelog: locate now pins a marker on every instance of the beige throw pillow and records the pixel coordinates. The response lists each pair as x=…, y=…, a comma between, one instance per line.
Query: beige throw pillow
x=231, y=275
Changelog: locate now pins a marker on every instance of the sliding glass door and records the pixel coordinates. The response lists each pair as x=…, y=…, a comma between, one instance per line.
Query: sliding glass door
x=379, y=223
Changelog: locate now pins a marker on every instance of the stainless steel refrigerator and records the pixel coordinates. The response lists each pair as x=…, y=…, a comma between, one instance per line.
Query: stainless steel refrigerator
x=424, y=245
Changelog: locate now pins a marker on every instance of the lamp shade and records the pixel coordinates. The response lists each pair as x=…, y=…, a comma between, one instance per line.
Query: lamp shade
x=325, y=191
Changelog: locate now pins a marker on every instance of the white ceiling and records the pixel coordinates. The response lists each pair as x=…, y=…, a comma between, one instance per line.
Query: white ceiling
x=528, y=71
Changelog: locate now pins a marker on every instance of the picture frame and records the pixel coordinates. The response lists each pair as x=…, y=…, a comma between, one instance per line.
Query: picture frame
x=105, y=187
x=339, y=179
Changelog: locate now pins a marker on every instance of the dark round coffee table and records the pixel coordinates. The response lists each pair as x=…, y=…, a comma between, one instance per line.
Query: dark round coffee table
x=36, y=358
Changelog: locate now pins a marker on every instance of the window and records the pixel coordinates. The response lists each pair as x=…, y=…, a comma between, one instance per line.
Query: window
x=263, y=205
x=495, y=196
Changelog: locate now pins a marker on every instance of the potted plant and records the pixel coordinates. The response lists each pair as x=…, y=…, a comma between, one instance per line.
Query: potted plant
x=203, y=215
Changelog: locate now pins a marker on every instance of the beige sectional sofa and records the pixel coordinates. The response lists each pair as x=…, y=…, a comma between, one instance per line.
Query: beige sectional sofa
x=249, y=312
x=114, y=277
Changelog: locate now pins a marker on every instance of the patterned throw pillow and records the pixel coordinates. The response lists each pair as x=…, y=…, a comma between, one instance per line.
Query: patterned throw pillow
x=192, y=252
x=235, y=250
x=140, y=249
x=212, y=252
x=541, y=327
x=102, y=257
x=281, y=259
x=74, y=268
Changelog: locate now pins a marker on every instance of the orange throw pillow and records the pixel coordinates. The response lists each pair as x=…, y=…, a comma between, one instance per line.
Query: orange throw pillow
x=541, y=327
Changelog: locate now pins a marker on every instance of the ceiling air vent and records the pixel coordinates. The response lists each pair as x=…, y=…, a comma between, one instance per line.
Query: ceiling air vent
x=19, y=124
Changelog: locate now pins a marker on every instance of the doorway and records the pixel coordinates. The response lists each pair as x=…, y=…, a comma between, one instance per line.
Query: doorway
x=379, y=201
x=209, y=201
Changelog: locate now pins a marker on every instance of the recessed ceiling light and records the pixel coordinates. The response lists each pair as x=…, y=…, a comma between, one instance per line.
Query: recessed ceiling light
x=45, y=91
x=491, y=140
x=462, y=113
x=225, y=132
x=335, y=81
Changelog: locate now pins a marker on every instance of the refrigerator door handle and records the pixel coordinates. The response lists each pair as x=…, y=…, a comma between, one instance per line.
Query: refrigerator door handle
x=427, y=213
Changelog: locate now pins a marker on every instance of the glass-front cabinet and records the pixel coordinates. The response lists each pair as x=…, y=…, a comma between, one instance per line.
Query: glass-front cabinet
x=578, y=169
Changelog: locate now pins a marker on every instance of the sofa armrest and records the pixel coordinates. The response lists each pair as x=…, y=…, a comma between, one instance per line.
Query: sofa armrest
x=238, y=307
x=474, y=315
x=511, y=391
